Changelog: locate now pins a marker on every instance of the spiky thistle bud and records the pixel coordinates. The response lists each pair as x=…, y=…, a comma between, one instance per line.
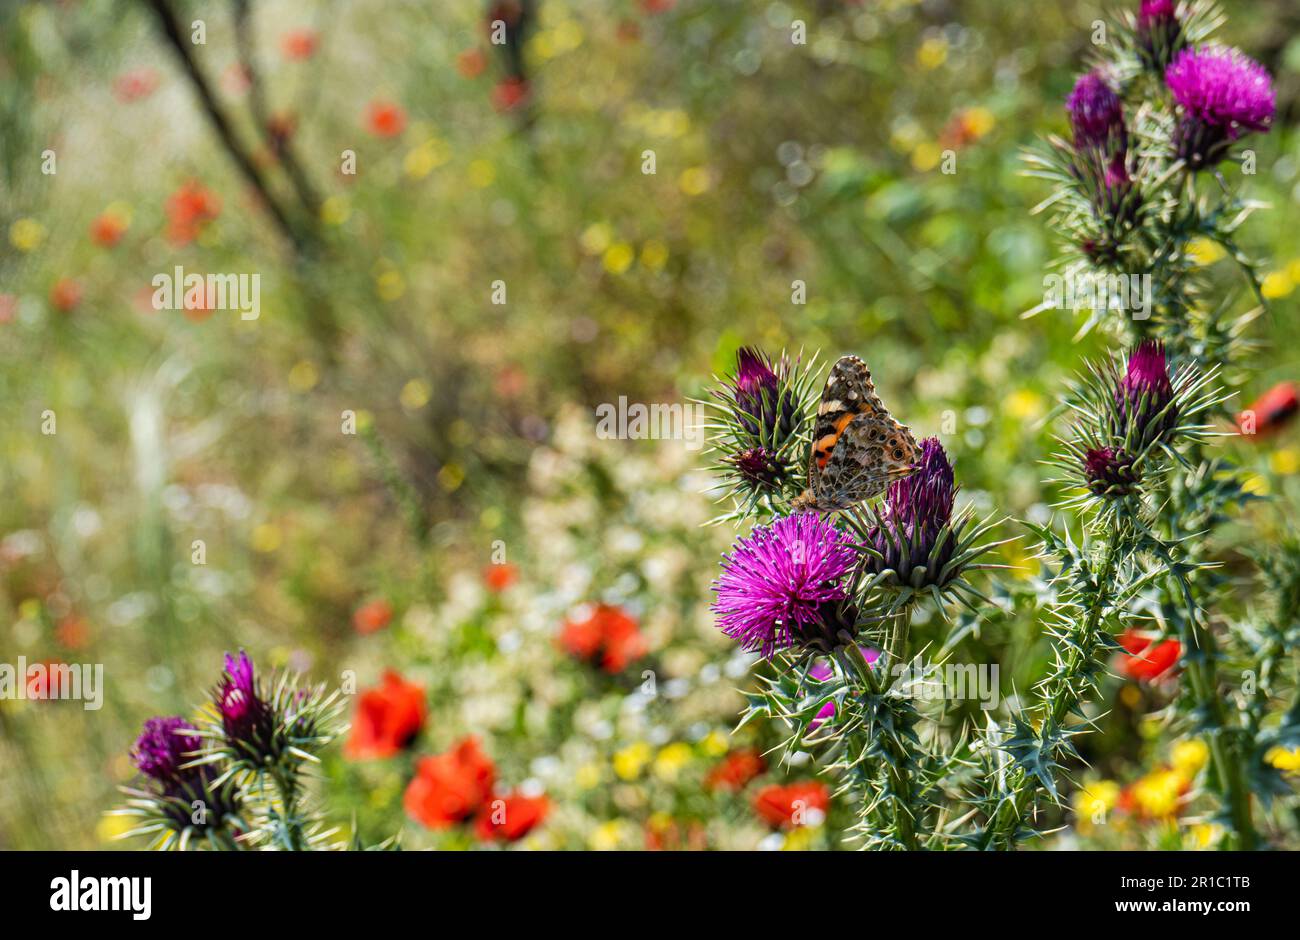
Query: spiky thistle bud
x=1159, y=33
x=916, y=542
x=764, y=406
x=760, y=432
x=1144, y=398
x=758, y=467
x=1110, y=471
x=245, y=717
x=911, y=533
x=1100, y=161
x=163, y=747
x=1096, y=115
x=183, y=799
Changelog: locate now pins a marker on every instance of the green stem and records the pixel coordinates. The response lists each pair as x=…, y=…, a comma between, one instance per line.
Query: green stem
x=286, y=784
x=1059, y=701
x=1229, y=781
x=899, y=758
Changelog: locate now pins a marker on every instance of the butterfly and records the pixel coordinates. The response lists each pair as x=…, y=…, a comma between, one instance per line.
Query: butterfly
x=858, y=448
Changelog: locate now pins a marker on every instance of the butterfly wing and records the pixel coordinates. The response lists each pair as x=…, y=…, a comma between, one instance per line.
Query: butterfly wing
x=858, y=447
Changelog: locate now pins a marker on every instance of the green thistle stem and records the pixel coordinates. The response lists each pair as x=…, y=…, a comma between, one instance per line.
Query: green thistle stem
x=286, y=784
x=898, y=757
x=1228, y=780
x=1059, y=700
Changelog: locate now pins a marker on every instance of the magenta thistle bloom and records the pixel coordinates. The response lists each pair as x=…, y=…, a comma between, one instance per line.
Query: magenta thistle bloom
x=1096, y=115
x=244, y=715
x=1144, y=399
x=780, y=586
x=163, y=747
x=1223, y=94
x=1110, y=471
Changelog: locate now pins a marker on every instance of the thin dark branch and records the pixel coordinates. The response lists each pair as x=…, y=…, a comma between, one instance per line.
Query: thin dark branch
x=283, y=147
x=175, y=36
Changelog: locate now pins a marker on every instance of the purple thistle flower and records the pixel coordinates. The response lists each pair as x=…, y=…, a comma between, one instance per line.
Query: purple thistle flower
x=780, y=586
x=913, y=530
x=1096, y=115
x=244, y=715
x=1110, y=471
x=1223, y=94
x=162, y=747
x=1144, y=396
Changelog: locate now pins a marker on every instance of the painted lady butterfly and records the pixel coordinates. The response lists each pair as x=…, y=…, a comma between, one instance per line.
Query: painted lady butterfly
x=858, y=448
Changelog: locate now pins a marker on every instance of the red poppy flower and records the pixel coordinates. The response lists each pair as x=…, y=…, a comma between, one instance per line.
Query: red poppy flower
x=107, y=229
x=1271, y=411
x=385, y=119
x=299, y=44
x=499, y=577
x=509, y=93
x=791, y=805
x=735, y=770
x=651, y=7
x=609, y=637
x=471, y=63
x=1145, y=661
x=189, y=209
x=388, y=718
x=511, y=817
x=450, y=787
x=372, y=617
x=65, y=295
x=135, y=84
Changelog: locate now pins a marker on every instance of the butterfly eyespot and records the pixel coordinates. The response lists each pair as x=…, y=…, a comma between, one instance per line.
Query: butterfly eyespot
x=898, y=455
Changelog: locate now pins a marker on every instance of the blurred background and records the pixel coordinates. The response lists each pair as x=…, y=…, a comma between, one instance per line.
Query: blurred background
x=389, y=470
